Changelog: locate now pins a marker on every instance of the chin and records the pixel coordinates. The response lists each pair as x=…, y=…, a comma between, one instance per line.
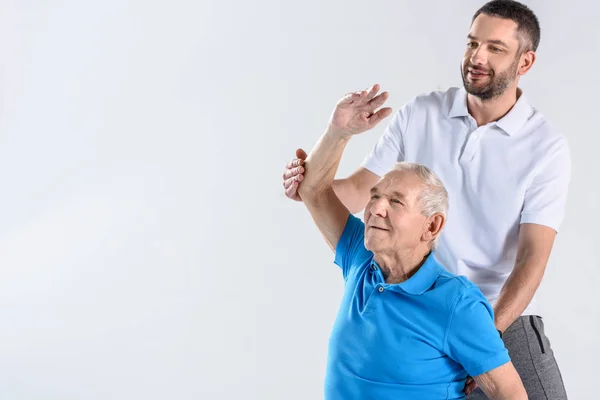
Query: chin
x=372, y=245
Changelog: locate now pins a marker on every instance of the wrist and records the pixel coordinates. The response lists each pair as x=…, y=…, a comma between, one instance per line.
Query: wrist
x=337, y=134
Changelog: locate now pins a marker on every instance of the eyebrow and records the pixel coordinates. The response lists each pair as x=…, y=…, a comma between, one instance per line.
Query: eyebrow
x=394, y=193
x=494, y=41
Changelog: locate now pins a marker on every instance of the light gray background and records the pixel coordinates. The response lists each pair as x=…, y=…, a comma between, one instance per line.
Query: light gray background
x=146, y=248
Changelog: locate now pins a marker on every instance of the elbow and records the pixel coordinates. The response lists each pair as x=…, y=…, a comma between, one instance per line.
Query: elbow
x=518, y=393
x=312, y=192
x=522, y=394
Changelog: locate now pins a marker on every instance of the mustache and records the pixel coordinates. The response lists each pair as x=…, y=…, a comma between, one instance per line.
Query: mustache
x=478, y=69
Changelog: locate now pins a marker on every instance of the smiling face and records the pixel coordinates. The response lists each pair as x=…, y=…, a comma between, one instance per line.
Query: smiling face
x=492, y=60
x=394, y=221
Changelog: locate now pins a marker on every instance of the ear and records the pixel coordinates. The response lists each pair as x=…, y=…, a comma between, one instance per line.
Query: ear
x=526, y=61
x=433, y=227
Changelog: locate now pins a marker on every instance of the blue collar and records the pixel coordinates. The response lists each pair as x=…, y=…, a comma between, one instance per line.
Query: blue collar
x=423, y=279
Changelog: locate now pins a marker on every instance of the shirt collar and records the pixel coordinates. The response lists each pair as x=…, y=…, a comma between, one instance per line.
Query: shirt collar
x=458, y=105
x=514, y=120
x=511, y=123
x=423, y=279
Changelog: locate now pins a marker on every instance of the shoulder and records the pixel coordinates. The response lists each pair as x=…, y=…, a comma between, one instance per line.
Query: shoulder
x=544, y=132
x=352, y=238
x=456, y=290
x=428, y=103
x=548, y=147
x=434, y=98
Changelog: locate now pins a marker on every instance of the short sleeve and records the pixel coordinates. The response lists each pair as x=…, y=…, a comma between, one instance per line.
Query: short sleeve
x=546, y=197
x=351, y=246
x=472, y=339
x=389, y=149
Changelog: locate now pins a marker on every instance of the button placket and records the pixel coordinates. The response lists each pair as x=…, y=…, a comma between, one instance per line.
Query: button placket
x=472, y=143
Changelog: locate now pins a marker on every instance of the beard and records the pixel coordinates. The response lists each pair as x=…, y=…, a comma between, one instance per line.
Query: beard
x=497, y=84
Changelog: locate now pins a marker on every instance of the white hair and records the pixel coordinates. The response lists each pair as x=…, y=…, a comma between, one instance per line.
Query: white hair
x=433, y=196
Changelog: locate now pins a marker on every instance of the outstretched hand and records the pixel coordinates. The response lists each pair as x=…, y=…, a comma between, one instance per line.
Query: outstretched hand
x=353, y=114
x=357, y=112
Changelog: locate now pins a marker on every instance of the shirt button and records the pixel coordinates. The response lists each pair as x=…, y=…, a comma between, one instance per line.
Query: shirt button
x=381, y=289
x=374, y=267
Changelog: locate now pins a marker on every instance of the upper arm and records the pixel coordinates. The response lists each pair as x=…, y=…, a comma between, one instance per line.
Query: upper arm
x=329, y=214
x=354, y=191
x=471, y=337
x=546, y=196
x=535, y=245
x=502, y=382
x=389, y=149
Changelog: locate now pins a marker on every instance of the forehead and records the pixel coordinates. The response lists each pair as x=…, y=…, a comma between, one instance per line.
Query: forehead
x=404, y=182
x=486, y=28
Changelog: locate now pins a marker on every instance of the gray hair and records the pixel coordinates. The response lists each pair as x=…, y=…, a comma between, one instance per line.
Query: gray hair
x=433, y=197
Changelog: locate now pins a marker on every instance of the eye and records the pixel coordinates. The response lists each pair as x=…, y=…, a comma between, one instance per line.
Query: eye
x=472, y=45
x=374, y=196
x=496, y=49
x=395, y=201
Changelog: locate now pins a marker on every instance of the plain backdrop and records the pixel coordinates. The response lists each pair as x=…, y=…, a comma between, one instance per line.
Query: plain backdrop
x=146, y=248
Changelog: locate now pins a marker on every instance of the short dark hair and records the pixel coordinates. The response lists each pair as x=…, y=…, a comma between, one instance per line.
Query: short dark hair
x=527, y=23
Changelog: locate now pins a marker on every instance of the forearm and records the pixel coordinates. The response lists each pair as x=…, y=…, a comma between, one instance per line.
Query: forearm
x=517, y=292
x=321, y=165
x=510, y=393
x=502, y=383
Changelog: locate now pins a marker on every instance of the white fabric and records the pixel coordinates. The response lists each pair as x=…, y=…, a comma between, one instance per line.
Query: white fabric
x=515, y=170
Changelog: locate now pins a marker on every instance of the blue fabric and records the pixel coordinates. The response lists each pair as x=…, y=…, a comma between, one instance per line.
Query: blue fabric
x=414, y=340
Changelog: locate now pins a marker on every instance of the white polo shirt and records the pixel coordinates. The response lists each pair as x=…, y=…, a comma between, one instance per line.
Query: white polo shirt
x=512, y=171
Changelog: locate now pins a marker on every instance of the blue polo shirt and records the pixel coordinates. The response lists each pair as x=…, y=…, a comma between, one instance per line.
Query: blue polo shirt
x=414, y=340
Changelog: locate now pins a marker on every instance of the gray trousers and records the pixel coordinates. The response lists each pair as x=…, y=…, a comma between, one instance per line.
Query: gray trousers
x=533, y=358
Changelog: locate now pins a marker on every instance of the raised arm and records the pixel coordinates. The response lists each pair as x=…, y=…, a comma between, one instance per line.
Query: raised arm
x=316, y=191
x=354, y=113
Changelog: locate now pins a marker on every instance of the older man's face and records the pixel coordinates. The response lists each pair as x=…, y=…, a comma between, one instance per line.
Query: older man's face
x=393, y=218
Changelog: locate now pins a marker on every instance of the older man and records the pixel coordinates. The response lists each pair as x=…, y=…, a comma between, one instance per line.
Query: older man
x=406, y=327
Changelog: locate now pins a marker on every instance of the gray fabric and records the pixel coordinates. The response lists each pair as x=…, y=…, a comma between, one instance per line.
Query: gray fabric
x=533, y=359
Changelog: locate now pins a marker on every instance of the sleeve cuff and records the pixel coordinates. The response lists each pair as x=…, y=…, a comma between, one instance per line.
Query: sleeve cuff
x=374, y=168
x=342, y=244
x=546, y=220
x=489, y=364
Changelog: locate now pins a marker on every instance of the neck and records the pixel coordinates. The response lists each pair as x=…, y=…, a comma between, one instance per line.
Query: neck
x=486, y=111
x=398, y=267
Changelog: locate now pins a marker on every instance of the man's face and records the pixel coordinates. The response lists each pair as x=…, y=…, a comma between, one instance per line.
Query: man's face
x=393, y=219
x=491, y=58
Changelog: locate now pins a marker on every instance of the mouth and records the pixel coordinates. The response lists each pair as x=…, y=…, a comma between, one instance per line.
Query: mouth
x=477, y=74
x=377, y=228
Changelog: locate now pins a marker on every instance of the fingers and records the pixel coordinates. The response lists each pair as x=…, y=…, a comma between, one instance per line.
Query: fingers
x=296, y=162
x=292, y=191
x=470, y=385
x=361, y=97
x=379, y=115
x=351, y=98
x=372, y=91
x=293, y=172
x=378, y=101
x=293, y=175
x=301, y=154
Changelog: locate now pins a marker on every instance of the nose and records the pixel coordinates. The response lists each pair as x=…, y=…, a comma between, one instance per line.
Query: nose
x=378, y=207
x=478, y=56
